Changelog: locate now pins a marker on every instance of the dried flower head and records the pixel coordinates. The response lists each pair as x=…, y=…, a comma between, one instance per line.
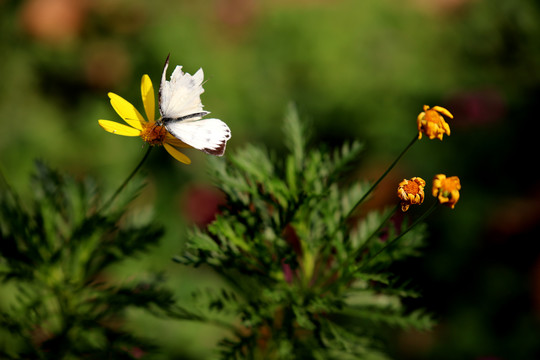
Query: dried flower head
x=446, y=189
x=411, y=192
x=431, y=122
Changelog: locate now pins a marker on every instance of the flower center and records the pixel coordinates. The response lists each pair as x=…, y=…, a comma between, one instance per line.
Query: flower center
x=153, y=134
x=411, y=188
x=450, y=184
x=432, y=116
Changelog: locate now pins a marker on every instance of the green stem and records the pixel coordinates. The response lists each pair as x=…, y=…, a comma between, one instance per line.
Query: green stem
x=137, y=168
x=382, y=176
x=351, y=211
x=390, y=243
x=353, y=257
x=364, y=245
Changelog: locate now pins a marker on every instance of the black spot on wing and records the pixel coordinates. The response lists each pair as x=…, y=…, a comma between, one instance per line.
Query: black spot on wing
x=219, y=151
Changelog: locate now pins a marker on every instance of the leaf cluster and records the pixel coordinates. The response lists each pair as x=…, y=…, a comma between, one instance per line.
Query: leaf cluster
x=57, y=299
x=305, y=282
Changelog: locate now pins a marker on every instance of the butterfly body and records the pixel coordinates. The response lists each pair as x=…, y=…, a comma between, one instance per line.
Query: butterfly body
x=199, y=115
x=182, y=114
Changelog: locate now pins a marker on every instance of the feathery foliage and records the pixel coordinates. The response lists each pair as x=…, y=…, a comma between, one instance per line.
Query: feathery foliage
x=57, y=299
x=305, y=283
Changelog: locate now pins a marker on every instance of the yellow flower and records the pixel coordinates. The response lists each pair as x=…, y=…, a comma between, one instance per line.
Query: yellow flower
x=149, y=131
x=431, y=122
x=446, y=189
x=411, y=192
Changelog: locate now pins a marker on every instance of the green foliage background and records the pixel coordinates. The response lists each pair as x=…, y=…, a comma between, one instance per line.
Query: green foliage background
x=356, y=70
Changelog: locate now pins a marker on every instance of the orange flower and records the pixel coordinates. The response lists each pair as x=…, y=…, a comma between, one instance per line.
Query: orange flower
x=431, y=122
x=411, y=192
x=446, y=189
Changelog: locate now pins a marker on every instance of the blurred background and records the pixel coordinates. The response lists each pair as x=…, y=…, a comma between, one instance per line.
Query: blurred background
x=356, y=70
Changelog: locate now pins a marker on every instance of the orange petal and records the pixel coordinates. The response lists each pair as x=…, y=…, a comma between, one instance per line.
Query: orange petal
x=177, y=154
x=126, y=111
x=149, y=101
x=443, y=111
x=118, y=129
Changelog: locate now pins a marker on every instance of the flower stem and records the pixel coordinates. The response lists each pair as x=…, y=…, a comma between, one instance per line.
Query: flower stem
x=365, y=244
x=353, y=258
x=418, y=221
x=137, y=168
x=382, y=177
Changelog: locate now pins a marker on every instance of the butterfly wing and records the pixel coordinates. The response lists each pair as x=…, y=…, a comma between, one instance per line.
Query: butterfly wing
x=208, y=135
x=181, y=112
x=181, y=95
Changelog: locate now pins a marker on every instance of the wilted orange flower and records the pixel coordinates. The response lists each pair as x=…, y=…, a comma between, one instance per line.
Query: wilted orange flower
x=446, y=189
x=411, y=192
x=431, y=122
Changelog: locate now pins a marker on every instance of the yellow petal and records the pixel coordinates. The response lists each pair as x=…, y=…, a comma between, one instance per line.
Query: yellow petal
x=126, y=111
x=176, y=142
x=177, y=154
x=149, y=101
x=118, y=129
x=443, y=111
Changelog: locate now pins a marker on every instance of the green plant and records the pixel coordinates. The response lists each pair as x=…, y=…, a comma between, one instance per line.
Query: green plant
x=306, y=281
x=57, y=299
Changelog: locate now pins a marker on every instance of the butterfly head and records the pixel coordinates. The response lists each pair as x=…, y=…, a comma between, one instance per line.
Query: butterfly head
x=154, y=133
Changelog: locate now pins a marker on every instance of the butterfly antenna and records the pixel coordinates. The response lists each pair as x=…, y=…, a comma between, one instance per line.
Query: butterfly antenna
x=165, y=66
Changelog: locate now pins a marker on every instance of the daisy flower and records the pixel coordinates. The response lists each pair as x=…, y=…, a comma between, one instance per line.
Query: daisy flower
x=150, y=131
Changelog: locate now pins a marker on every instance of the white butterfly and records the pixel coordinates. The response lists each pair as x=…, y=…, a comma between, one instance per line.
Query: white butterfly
x=182, y=112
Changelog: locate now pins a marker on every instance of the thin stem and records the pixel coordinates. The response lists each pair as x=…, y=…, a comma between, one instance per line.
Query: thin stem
x=137, y=168
x=382, y=176
x=351, y=211
x=419, y=220
x=388, y=216
x=353, y=258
